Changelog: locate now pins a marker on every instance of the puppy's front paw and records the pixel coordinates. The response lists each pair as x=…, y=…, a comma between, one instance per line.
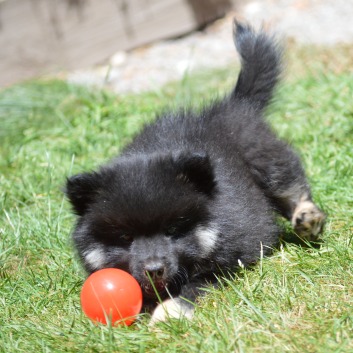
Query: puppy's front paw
x=308, y=220
x=174, y=308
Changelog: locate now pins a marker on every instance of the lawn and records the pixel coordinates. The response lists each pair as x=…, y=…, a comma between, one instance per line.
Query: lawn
x=298, y=300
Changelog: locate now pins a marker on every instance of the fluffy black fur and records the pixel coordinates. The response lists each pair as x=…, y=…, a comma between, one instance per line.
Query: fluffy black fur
x=195, y=193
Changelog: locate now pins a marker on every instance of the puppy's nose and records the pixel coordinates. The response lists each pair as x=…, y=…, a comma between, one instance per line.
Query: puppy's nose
x=154, y=270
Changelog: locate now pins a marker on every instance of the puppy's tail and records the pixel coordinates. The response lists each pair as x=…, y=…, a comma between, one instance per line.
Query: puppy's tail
x=260, y=65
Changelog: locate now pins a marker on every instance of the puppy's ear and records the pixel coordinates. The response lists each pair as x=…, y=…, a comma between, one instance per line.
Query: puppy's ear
x=81, y=190
x=196, y=168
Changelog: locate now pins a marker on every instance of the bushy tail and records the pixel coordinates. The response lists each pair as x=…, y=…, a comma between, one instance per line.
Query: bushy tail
x=260, y=65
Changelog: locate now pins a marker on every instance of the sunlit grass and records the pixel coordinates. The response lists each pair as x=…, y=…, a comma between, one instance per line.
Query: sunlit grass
x=298, y=300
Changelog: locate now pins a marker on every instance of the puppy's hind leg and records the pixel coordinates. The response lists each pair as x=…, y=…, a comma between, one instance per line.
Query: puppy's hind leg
x=278, y=171
x=306, y=218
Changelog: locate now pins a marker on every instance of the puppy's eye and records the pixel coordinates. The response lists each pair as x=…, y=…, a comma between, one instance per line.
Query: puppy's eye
x=128, y=238
x=179, y=228
x=172, y=231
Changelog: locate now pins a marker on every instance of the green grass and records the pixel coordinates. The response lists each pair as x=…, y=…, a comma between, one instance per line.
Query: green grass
x=298, y=300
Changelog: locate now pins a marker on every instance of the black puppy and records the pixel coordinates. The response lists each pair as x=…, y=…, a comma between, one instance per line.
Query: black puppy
x=195, y=193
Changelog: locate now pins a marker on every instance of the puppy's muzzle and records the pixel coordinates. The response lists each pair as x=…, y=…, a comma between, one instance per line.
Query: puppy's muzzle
x=155, y=277
x=155, y=271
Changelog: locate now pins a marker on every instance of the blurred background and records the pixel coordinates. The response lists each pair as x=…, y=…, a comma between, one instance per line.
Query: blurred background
x=136, y=45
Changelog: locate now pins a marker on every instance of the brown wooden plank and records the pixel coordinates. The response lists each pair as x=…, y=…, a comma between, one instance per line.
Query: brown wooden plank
x=42, y=36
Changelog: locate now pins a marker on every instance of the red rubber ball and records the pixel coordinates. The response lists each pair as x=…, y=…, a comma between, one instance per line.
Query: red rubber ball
x=111, y=295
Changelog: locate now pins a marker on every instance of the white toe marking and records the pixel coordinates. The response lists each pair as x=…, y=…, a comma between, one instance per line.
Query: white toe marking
x=171, y=309
x=207, y=238
x=95, y=258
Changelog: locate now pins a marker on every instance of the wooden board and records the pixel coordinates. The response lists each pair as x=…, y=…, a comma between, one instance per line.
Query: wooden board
x=43, y=36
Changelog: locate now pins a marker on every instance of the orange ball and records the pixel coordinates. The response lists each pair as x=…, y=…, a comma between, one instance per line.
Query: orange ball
x=111, y=295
